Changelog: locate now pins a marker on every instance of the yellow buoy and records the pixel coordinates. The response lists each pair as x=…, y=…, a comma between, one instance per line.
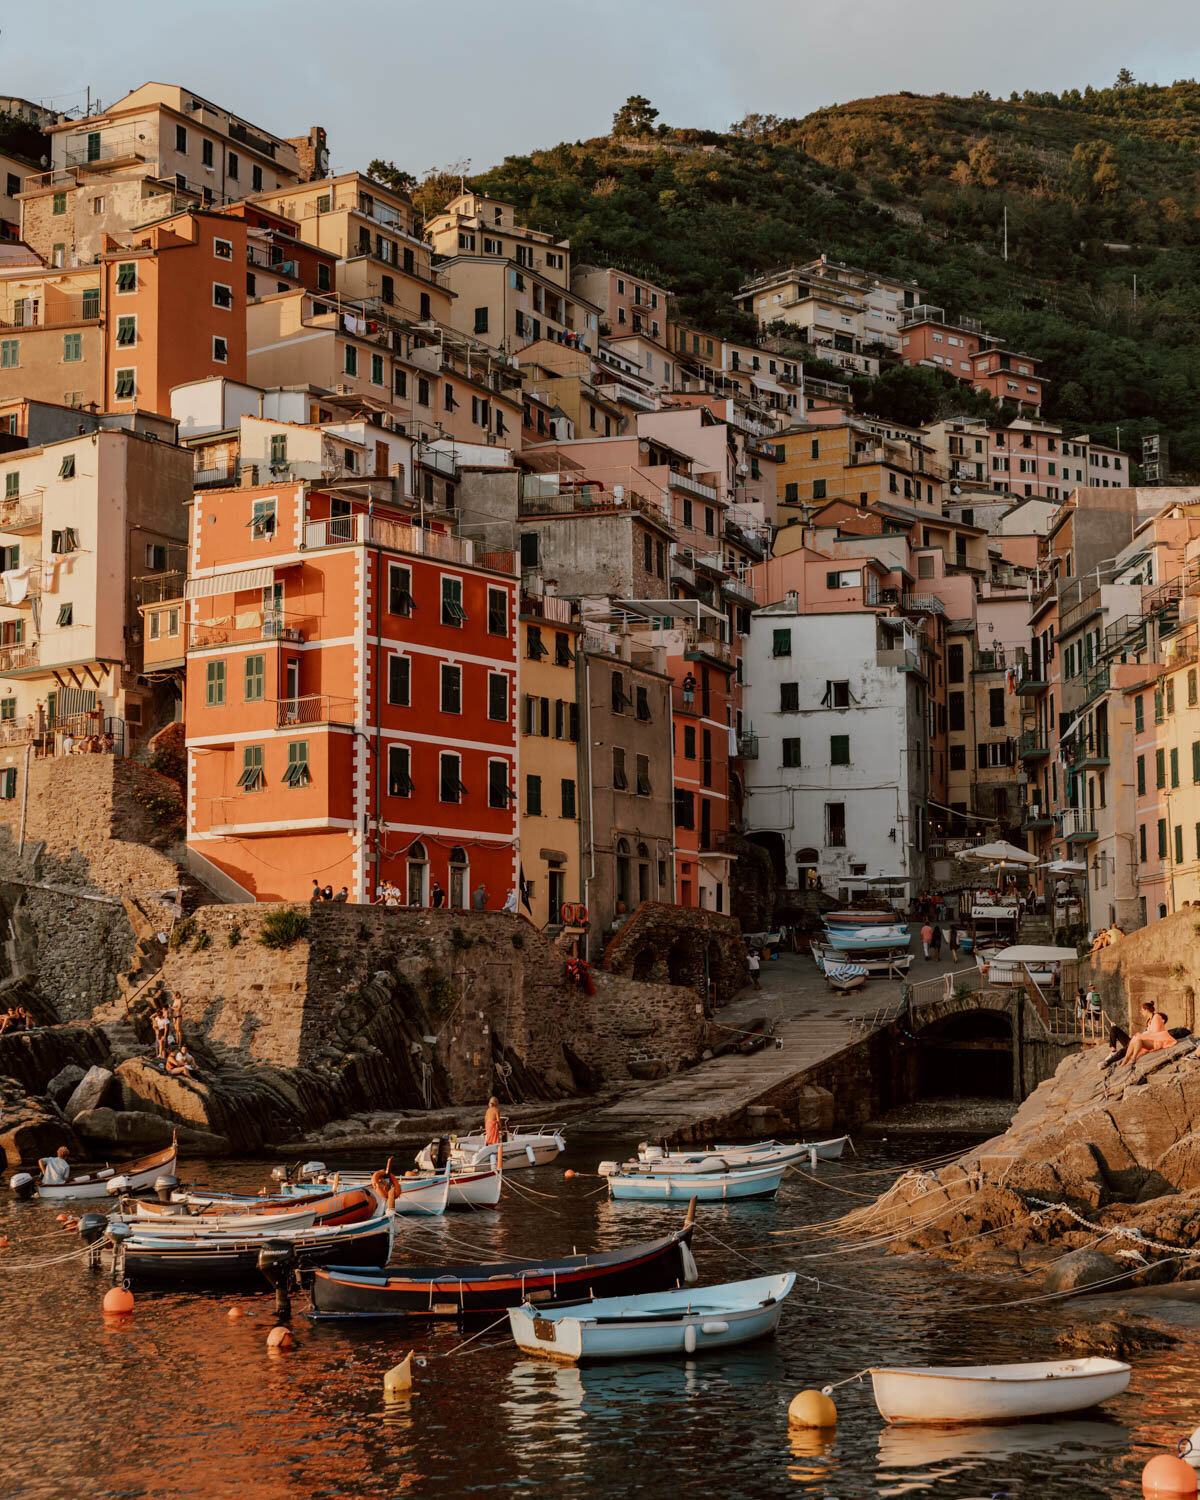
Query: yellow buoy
x=398, y=1379
x=812, y=1409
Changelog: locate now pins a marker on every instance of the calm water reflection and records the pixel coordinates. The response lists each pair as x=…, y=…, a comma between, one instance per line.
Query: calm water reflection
x=182, y=1401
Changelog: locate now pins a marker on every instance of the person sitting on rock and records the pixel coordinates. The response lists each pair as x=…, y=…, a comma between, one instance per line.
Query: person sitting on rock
x=1155, y=1038
x=181, y=1064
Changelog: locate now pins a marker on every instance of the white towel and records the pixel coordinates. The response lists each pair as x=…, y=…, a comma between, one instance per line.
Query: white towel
x=16, y=585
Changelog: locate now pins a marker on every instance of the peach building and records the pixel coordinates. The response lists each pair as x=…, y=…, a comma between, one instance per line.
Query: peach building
x=627, y=303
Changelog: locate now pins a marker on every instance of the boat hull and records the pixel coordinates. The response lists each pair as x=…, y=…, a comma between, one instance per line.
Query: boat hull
x=271, y=1218
x=139, y=1175
x=889, y=964
x=221, y=1260
x=670, y=1325
x=476, y=1291
x=866, y=939
x=523, y=1149
x=636, y=1185
x=996, y=1393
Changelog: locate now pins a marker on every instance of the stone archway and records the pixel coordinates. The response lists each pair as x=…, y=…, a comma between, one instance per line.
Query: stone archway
x=644, y=962
x=968, y=1053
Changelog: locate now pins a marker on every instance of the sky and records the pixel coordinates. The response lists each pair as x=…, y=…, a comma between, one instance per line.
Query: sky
x=433, y=85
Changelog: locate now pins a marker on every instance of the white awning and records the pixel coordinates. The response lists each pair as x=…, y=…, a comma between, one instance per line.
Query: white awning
x=229, y=583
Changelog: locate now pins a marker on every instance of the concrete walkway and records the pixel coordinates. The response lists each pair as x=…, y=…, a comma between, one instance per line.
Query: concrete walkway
x=810, y=1020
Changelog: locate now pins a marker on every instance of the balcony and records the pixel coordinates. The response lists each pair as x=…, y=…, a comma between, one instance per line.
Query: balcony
x=20, y=514
x=902, y=659
x=684, y=702
x=55, y=312
x=160, y=588
x=1077, y=824
x=317, y=709
x=249, y=626
x=220, y=477
x=922, y=604
x=98, y=155
x=1032, y=674
x=991, y=661
x=1032, y=745
x=1090, y=752
x=1036, y=817
x=1095, y=682
x=1075, y=611
x=1126, y=634
x=22, y=657
x=396, y=536
x=266, y=261
x=685, y=482
x=747, y=746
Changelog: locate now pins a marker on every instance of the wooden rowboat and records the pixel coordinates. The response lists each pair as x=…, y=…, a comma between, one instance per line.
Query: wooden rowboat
x=132, y=1176
x=943, y=1394
x=637, y=1181
x=431, y=1292
x=656, y=1324
x=267, y=1218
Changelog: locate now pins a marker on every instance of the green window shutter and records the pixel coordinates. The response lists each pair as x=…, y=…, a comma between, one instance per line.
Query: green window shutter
x=1195, y=763
x=839, y=749
x=1174, y=768
x=255, y=685
x=214, y=684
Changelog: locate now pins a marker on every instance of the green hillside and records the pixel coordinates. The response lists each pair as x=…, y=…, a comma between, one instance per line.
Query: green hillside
x=1101, y=186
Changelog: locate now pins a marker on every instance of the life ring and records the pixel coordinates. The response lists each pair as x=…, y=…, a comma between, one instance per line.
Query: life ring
x=567, y=912
x=382, y=1183
x=581, y=914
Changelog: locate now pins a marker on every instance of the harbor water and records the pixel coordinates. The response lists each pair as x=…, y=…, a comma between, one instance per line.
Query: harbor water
x=181, y=1400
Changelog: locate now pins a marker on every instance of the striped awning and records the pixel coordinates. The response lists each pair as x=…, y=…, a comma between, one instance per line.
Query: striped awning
x=229, y=583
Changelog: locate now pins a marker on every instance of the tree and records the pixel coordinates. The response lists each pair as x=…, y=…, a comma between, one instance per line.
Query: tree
x=1125, y=79
x=390, y=174
x=635, y=117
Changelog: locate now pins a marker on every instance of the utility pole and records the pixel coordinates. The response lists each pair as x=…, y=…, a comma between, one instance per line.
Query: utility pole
x=1006, y=234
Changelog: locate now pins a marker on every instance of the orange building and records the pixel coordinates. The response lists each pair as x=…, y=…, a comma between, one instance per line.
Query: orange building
x=350, y=700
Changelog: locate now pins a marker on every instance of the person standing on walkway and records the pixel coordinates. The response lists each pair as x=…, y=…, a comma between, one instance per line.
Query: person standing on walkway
x=937, y=944
x=952, y=940
x=926, y=936
x=752, y=962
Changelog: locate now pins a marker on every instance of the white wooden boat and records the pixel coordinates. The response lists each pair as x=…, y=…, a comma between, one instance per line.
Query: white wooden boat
x=940, y=1394
x=416, y=1191
x=128, y=1177
x=635, y=1181
x=866, y=939
x=268, y=1217
x=893, y=964
x=735, y=1158
x=528, y=1147
x=830, y=1150
x=655, y=1324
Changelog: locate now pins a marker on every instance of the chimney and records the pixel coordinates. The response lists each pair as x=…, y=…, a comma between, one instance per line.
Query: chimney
x=249, y=480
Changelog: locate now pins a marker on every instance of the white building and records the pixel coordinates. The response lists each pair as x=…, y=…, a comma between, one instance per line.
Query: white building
x=838, y=791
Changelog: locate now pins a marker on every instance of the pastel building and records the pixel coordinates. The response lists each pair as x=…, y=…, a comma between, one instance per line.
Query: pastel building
x=627, y=303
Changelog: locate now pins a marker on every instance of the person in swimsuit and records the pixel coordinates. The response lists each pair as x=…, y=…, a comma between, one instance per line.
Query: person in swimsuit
x=1155, y=1038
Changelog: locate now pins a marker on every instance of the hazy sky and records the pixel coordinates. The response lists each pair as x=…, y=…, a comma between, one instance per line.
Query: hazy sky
x=427, y=85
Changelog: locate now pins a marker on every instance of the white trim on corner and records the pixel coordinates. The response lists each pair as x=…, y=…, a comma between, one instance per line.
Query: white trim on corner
x=286, y=825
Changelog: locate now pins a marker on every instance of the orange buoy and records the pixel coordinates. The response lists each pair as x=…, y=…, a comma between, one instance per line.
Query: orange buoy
x=568, y=1174
x=279, y=1338
x=118, y=1299
x=235, y=1312
x=1166, y=1477
x=62, y=1218
x=3, y=1242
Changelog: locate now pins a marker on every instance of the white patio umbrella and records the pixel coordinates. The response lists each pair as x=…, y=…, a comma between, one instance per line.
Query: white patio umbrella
x=997, y=853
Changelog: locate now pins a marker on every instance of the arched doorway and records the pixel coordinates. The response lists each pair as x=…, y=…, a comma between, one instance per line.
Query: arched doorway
x=968, y=1055
x=623, y=872
x=418, y=875
x=643, y=872
x=460, y=878
x=643, y=964
x=679, y=962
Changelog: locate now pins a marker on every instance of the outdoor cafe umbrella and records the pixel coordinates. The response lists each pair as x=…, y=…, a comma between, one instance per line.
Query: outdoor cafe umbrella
x=999, y=853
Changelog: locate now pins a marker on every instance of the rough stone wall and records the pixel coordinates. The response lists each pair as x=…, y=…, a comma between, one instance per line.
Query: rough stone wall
x=95, y=829
x=487, y=986
x=1160, y=962
x=753, y=888
x=683, y=946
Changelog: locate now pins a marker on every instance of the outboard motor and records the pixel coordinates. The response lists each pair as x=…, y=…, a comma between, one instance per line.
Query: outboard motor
x=23, y=1184
x=92, y=1227
x=277, y=1262
x=117, y=1185
x=440, y=1151
x=164, y=1186
x=313, y=1171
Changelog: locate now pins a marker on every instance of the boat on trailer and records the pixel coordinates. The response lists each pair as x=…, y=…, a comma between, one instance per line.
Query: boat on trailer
x=491, y=1287
x=893, y=964
x=101, y=1182
x=653, y=1325
x=945, y=1394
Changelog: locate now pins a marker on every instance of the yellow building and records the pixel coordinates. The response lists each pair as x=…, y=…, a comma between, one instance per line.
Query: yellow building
x=550, y=794
x=850, y=461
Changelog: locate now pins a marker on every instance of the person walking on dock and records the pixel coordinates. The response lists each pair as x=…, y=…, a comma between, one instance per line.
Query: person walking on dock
x=936, y=942
x=753, y=963
x=952, y=940
x=926, y=936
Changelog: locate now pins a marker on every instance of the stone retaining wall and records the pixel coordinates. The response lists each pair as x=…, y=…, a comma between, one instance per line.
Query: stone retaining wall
x=680, y=945
x=1159, y=962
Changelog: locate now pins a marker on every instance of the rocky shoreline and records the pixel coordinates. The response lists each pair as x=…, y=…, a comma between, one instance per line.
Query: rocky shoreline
x=1096, y=1181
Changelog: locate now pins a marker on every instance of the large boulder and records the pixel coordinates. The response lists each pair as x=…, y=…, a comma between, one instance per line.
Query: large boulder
x=144, y=1087
x=29, y=1132
x=1083, y=1268
x=89, y=1092
x=62, y=1085
x=140, y=1130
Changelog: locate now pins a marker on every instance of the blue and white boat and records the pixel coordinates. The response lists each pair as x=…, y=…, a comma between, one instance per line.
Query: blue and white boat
x=656, y=1324
x=747, y=1157
x=867, y=939
x=639, y=1181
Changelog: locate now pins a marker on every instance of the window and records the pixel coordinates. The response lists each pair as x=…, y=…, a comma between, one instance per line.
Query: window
x=399, y=679
x=619, y=779
x=1162, y=838
x=789, y=697
x=568, y=798
x=958, y=757
x=1174, y=768
x=996, y=708
x=72, y=348
x=206, y=153
x=256, y=177
x=400, y=783
x=181, y=138
x=563, y=655
x=530, y=549
x=533, y=795
x=400, y=599
x=350, y=364
x=64, y=541
x=689, y=742
x=481, y=320
x=643, y=703
x=1160, y=768
x=835, y=825
x=837, y=695
x=1142, y=843
x=781, y=643
x=498, y=697
x=450, y=787
x=1141, y=769
x=126, y=331
x=839, y=749
x=220, y=352
x=66, y=469
x=499, y=791
x=8, y=784
x=256, y=677
x=323, y=280
x=8, y=710
x=12, y=484
x=643, y=775
x=954, y=664
x=791, y=752
x=214, y=684
x=10, y=353
x=818, y=489
x=252, y=778
x=451, y=700
x=956, y=703
x=231, y=166
x=1170, y=695
x=497, y=616
x=60, y=203
x=127, y=276
x=262, y=520
x=297, y=772
x=1139, y=715
x=377, y=369
x=222, y=294
x=452, y=610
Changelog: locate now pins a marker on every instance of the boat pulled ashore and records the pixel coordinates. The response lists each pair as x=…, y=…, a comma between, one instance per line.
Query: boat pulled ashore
x=491, y=1287
x=656, y=1324
x=944, y=1394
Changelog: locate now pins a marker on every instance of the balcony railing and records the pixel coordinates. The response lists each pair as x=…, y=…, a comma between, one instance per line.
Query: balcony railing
x=991, y=661
x=160, y=588
x=748, y=746
x=20, y=513
x=19, y=658
x=315, y=709
x=375, y=531
x=540, y=500
x=1032, y=744
x=58, y=312
x=686, y=702
x=1090, y=751
x=220, y=476
x=248, y=625
x=681, y=481
x=1077, y=823
x=1095, y=682
x=80, y=152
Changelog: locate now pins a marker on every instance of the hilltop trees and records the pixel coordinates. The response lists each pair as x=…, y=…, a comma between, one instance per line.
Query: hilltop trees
x=635, y=117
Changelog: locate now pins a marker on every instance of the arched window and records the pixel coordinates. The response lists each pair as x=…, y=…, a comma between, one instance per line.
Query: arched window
x=418, y=875
x=460, y=883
